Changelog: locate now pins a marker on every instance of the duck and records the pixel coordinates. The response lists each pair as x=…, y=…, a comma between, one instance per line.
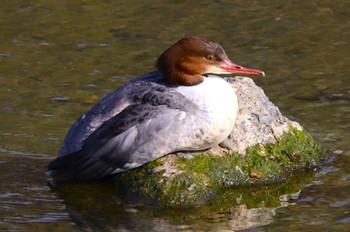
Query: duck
x=181, y=106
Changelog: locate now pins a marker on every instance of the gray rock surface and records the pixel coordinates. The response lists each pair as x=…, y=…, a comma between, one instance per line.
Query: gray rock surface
x=259, y=121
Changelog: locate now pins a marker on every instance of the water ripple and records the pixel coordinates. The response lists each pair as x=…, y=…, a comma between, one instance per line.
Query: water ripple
x=340, y=203
x=26, y=154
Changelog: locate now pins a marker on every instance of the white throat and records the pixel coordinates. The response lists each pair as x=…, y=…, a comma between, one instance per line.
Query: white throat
x=213, y=94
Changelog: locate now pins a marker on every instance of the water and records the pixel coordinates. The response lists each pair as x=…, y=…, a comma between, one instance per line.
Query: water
x=58, y=57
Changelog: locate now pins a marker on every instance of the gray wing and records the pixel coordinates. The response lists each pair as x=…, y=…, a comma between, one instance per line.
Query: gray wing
x=106, y=108
x=129, y=138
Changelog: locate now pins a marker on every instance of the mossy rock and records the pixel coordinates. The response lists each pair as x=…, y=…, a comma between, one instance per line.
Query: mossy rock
x=194, y=181
x=263, y=148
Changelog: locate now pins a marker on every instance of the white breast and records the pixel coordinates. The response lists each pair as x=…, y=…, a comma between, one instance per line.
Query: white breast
x=217, y=100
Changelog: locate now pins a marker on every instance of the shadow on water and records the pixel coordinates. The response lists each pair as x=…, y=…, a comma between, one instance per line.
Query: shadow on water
x=107, y=205
x=29, y=202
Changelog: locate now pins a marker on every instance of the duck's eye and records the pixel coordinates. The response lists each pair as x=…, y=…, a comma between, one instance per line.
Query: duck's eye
x=210, y=57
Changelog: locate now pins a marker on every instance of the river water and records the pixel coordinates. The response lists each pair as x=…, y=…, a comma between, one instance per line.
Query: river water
x=59, y=57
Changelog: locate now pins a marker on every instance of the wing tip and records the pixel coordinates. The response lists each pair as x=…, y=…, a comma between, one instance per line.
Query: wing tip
x=75, y=168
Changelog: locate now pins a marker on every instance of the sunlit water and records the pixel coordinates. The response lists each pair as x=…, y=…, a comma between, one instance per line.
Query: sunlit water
x=58, y=57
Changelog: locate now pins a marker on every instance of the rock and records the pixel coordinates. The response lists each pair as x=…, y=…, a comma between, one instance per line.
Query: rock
x=259, y=121
x=264, y=147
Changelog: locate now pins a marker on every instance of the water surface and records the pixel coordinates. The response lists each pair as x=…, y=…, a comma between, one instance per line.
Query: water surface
x=59, y=57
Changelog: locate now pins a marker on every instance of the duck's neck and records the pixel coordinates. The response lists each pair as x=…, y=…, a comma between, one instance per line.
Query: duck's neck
x=182, y=78
x=213, y=93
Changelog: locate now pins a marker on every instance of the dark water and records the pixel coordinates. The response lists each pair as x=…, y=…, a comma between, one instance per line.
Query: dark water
x=59, y=57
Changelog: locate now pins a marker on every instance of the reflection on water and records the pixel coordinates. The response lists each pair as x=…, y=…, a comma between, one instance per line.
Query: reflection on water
x=324, y=203
x=35, y=204
x=106, y=205
x=26, y=201
x=57, y=58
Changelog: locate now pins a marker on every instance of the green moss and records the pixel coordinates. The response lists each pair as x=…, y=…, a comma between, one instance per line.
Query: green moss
x=143, y=181
x=201, y=177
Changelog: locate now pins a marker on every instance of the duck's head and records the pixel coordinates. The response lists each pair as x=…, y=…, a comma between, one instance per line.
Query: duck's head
x=188, y=60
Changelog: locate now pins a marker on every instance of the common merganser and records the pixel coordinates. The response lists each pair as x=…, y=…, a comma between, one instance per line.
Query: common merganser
x=178, y=107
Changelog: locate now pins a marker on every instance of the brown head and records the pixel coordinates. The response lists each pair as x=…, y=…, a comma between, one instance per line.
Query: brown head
x=187, y=60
